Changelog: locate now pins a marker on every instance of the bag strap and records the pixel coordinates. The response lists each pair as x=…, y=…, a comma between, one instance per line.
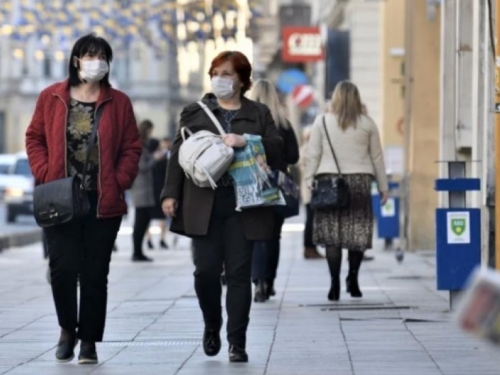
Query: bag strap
x=331, y=146
x=92, y=139
x=212, y=117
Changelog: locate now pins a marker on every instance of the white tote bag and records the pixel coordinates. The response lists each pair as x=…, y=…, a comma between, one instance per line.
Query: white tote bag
x=203, y=155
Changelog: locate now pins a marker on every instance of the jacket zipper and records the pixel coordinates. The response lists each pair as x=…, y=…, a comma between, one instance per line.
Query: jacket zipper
x=100, y=164
x=65, y=136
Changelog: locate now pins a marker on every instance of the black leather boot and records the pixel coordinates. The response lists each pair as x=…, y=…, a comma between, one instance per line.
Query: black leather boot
x=270, y=289
x=334, y=293
x=352, y=285
x=237, y=354
x=88, y=353
x=211, y=340
x=66, y=347
x=261, y=292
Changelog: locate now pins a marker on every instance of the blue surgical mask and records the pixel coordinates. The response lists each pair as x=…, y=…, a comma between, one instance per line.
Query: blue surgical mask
x=222, y=87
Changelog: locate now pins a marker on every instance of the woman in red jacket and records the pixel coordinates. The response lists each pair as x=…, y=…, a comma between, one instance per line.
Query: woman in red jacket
x=56, y=142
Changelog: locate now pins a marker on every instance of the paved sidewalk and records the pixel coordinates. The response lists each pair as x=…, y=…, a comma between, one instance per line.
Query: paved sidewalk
x=401, y=327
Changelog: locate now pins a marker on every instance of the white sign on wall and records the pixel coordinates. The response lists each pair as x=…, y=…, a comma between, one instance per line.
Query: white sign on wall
x=389, y=209
x=458, y=224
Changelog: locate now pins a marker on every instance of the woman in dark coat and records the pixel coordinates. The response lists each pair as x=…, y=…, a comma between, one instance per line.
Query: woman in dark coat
x=159, y=175
x=142, y=192
x=221, y=235
x=266, y=253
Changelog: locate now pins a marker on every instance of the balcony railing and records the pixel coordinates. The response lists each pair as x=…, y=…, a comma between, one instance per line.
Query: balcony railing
x=136, y=89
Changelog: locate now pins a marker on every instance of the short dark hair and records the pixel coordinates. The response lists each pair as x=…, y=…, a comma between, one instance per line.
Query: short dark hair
x=144, y=127
x=93, y=45
x=241, y=66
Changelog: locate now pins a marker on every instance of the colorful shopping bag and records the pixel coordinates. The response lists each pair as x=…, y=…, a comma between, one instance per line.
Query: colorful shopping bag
x=252, y=182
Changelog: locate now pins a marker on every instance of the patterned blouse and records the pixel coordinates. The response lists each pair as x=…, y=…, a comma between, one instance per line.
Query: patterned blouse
x=80, y=123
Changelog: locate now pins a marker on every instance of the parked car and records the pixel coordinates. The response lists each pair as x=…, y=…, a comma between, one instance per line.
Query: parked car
x=19, y=185
x=6, y=163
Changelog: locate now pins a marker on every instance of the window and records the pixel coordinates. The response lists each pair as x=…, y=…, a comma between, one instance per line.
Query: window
x=47, y=67
x=22, y=167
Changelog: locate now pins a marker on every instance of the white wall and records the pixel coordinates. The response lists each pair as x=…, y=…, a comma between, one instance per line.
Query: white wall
x=362, y=19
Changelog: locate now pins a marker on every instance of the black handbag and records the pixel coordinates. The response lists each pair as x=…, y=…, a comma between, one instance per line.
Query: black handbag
x=290, y=191
x=60, y=201
x=330, y=193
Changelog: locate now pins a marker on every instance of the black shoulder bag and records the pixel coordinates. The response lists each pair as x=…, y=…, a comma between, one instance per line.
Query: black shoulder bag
x=60, y=201
x=330, y=193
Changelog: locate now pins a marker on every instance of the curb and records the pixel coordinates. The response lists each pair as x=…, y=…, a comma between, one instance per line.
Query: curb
x=23, y=238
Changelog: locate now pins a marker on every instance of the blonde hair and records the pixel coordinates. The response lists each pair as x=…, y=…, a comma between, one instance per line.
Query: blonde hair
x=264, y=92
x=346, y=104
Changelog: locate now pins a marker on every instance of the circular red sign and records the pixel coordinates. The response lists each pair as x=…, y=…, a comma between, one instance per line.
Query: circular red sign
x=303, y=95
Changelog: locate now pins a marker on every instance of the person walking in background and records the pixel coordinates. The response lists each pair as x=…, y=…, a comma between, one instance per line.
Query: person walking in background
x=159, y=175
x=266, y=253
x=221, y=235
x=310, y=249
x=142, y=192
x=356, y=143
x=57, y=141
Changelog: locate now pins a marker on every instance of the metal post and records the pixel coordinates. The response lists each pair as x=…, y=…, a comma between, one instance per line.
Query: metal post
x=456, y=199
x=497, y=134
x=408, y=85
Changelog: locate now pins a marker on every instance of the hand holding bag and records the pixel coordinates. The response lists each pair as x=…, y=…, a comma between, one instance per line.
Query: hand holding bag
x=60, y=201
x=290, y=192
x=204, y=156
x=252, y=183
x=330, y=193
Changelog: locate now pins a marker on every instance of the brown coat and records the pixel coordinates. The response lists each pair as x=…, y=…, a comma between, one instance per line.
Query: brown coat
x=195, y=203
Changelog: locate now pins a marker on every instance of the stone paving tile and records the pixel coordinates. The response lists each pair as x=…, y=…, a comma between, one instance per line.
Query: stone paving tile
x=154, y=324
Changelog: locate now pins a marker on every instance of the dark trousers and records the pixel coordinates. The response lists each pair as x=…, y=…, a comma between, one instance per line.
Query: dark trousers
x=82, y=248
x=266, y=256
x=308, y=230
x=141, y=225
x=224, y=245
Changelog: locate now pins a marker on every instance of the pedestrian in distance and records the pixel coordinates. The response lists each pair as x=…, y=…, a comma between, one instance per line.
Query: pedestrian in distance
x=310, y=249
x=221, y=235
x=159, y=175
x=57, y=141
x=142, y=192
x=351, y=136
x=266, y=253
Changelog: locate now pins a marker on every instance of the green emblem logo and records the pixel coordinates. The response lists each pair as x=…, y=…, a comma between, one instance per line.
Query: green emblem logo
x=458, y=226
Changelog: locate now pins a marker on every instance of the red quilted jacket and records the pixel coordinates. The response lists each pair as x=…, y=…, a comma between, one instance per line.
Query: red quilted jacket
x=118, y=140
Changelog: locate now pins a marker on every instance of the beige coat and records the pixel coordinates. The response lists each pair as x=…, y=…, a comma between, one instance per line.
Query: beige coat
x=305, y=192
x=358, y=150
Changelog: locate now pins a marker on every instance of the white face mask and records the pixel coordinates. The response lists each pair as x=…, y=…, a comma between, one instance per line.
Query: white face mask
x=222, y=87
x=93, y=70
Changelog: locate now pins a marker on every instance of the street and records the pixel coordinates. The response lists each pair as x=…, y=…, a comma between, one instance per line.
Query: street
x=154, y=326
x=23, y=232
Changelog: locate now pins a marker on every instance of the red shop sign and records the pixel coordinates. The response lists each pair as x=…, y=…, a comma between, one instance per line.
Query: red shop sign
x=302, y=44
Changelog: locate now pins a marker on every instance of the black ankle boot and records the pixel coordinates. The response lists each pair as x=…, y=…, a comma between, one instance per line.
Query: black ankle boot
x=211, y=340
x=334, y=293
x=237, y=354
x=66, y=347
x=352, y=285
x=88, y=353
x=270, y=289
x=261, y=292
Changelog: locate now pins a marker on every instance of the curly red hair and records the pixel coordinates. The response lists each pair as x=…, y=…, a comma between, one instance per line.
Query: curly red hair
x=241, y=66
